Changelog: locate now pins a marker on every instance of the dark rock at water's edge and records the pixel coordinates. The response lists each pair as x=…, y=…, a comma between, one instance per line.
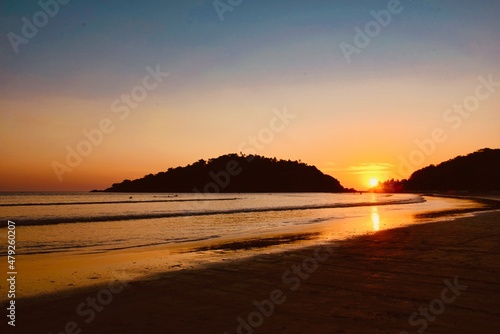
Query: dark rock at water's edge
x=235, y=173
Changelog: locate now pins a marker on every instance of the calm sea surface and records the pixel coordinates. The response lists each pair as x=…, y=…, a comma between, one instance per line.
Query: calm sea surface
x=100, y=222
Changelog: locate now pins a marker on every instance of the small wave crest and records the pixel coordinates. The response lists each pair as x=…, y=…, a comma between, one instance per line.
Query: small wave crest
x=26, y=221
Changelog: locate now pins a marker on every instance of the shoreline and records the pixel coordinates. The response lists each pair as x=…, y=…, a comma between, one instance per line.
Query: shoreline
x=66, y=271
x=375, y=281
x=488, y=204
x=62, y=273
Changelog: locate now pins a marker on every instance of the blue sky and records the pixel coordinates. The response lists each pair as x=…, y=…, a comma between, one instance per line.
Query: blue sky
x=227, y=76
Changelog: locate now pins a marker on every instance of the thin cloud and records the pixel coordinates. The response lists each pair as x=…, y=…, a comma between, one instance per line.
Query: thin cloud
x=365, y=168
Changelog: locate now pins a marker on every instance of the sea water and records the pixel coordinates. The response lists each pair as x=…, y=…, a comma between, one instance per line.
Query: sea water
x=101, y=222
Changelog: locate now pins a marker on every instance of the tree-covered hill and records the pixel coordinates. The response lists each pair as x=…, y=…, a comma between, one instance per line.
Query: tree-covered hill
x=234, y=173
x=478, y=171
x=475, y=172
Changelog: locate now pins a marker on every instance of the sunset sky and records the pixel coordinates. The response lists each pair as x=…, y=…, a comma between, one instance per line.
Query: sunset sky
x=265, y=77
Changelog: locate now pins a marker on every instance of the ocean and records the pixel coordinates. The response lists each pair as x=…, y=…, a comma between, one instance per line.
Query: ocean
x=100, y=222
x=65, y=241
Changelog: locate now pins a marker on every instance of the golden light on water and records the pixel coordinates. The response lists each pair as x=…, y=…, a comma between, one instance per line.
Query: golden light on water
x=375, y=219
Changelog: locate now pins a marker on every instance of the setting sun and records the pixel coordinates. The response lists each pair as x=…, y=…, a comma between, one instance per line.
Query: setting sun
x=373, y=182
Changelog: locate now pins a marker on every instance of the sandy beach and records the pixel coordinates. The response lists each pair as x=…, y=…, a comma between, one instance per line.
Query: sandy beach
x=438, y=277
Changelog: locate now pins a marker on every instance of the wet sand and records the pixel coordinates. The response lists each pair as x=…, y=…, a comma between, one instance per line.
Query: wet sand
x=443, y=275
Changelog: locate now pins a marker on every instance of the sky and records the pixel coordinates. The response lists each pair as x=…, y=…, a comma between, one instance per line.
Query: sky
x=96, y=92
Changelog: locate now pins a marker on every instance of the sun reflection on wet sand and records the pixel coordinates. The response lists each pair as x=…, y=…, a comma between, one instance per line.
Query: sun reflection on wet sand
x=375, y=219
